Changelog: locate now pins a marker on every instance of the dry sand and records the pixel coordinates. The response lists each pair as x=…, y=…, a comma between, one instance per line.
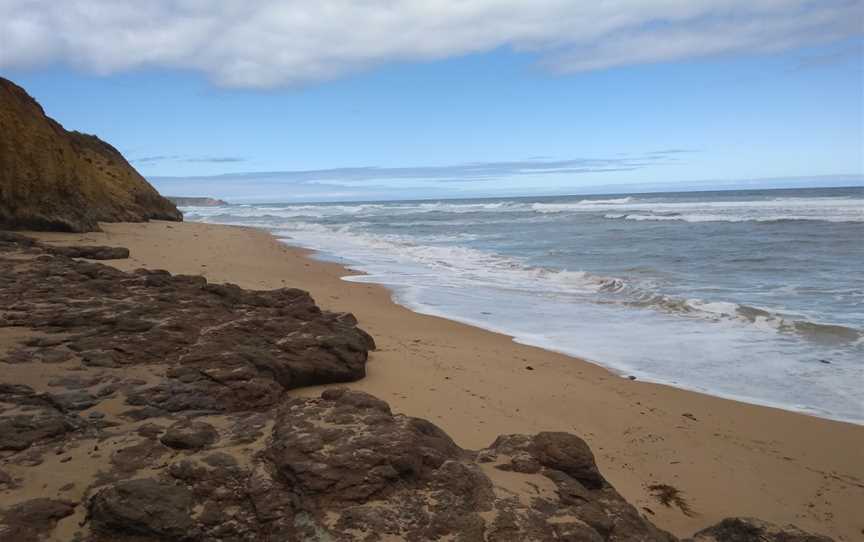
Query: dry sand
x=727, y=458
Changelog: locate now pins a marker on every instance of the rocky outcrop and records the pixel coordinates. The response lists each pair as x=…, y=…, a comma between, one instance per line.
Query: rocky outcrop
x=143, y=508
x=362, y=472
x=18, y=432
x=754, y=530
x=32, y=519
x=343, y=467
x=53, y=179
x=89, y=252
x=225, y=348
x=189, y=435
x=160, y=409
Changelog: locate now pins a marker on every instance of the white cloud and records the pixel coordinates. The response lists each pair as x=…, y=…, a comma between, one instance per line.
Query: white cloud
x=271, y=43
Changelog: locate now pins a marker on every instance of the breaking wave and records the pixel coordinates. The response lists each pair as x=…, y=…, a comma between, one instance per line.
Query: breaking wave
x=625, y=208
x=468, y=267
x=761, y=311
x=708, y=217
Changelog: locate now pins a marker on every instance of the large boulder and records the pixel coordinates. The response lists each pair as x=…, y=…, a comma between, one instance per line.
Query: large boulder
x=53, y=179
x=366, y=451
x=189, y=435
x=18, y=432
x=36, y=418
x=144, y=507
x=32, y=519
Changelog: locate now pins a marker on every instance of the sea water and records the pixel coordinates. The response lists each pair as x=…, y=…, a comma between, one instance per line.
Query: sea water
x=752, y=295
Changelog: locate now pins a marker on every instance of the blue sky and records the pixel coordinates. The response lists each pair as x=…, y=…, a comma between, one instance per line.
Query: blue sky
x=671, y=98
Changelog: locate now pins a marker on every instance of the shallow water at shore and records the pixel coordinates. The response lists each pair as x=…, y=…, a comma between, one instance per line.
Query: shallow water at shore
x=751, y=295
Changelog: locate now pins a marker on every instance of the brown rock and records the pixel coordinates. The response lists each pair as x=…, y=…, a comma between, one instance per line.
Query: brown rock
x=9, y=238
x=370, y=473
x=344, y=467
x=351, y=465
x=189, y=435
x=53, y=179
x=72, y=400
x=6, y=480
x=90, y=252
x=143, y=507
x=150, y=430
x=569, y=454
x=228, y=349
x=754, y=530
x=19, y=432
x=144, y=454
x=30, y=520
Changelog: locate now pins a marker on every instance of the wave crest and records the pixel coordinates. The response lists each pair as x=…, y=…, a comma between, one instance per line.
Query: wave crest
x=468, y=267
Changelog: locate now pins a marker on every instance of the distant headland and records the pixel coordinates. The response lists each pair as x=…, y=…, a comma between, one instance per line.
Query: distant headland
x=184, y=201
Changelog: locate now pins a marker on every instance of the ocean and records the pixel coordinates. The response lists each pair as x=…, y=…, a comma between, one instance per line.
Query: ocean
x=751, y=295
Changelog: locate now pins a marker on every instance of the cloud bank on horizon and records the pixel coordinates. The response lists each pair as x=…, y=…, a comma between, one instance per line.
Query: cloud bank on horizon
x=481, y=179
x=374, y=182
x=278, y=43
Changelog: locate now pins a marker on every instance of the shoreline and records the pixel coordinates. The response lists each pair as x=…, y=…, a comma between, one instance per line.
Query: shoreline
x=729, y=458
x=739, y=338
x=350, y=272
x=354, y=269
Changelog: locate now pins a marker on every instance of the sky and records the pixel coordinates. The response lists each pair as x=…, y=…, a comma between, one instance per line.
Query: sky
x=384, y=99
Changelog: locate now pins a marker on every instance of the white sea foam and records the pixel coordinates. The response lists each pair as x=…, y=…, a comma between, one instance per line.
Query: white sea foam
x=469, y=267
x=437, y=259
x=822, y=209
x=710, y=217
x=579, y=206
x=628, y=208
x=739, y=361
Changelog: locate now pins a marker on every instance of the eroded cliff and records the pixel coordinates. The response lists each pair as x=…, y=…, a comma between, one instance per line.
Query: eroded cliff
x=54, y=179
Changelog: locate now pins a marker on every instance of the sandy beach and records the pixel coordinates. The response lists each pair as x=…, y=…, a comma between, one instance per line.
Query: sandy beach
x=727, y=458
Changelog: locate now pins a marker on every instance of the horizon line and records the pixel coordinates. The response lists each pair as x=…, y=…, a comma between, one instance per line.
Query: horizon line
x=547, y=195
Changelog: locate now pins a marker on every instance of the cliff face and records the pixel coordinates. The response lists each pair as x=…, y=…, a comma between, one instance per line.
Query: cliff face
x=53, y=179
